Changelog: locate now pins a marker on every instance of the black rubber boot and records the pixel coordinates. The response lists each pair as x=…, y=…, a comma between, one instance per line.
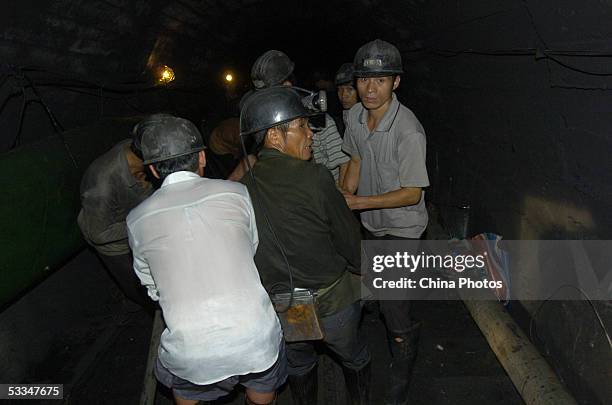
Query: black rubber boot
x=403, y=357
x=358, y=384
x=304, y=388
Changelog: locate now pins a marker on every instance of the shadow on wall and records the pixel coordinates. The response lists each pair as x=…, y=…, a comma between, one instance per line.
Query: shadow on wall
x=540, y=215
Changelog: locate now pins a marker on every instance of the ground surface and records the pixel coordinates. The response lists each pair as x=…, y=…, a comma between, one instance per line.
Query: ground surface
x=455, y=365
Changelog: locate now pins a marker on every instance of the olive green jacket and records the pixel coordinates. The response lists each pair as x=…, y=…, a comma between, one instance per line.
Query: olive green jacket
x=318, y=232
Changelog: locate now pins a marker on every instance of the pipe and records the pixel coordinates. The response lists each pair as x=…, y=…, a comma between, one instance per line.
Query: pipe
x=533, y=378
x=147, y=396
x=40, y=201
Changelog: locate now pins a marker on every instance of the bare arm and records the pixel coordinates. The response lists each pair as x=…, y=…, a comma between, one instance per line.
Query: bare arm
x=393, y=199
x=351, y=177
x=343, y=169
x=242, y=168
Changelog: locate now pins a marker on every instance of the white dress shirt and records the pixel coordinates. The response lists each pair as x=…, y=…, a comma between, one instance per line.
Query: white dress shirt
x=193, y=242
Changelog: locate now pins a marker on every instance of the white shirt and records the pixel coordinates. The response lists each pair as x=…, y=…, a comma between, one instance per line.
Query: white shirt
x=193, y=242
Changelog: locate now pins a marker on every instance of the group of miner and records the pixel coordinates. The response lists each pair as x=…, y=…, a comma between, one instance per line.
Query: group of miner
x=211, y=252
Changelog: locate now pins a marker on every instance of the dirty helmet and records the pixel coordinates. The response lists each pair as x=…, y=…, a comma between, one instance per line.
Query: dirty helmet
x=345, y=74
x=271, y=69
x=377, y=58
x=139, y=130
x=166, y=137
x=267, y=108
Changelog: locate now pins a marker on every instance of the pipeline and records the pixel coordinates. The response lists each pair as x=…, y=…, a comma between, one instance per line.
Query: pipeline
x=533, y=378
x=40, y=202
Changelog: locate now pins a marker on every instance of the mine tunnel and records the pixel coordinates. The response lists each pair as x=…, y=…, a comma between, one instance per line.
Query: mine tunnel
x=514, y=99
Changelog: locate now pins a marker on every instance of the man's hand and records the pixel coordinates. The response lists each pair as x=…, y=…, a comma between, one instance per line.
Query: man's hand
x=399, y=198
x=355, y=202
x=242, y=168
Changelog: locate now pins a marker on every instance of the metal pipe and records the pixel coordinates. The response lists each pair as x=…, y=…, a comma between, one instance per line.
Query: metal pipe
x=532, y=376
x=40, y=202
x=149, y=386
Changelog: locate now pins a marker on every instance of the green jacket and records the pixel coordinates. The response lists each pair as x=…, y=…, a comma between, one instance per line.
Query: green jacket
x=319, y=233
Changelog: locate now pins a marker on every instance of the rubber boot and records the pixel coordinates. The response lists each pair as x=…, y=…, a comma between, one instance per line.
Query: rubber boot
x=304, y=388
x=403, y=357
x=358, y=384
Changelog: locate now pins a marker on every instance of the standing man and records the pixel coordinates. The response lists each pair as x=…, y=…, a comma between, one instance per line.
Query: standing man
x=111, y=186
x=308, y=235
x=274, y=68
x=347, y=94
x=193, y=241
x=386, y=143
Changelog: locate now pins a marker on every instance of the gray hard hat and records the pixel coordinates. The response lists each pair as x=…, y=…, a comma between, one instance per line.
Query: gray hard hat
x=139, y=130
x=378, y=58
x=267, y=108
x=345, y=74
x=271, y=69
x=166, y=137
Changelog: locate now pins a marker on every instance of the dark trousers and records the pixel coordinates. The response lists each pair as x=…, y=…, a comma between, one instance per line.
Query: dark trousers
x=340, y=336
x=395, y=312
x=121, y=269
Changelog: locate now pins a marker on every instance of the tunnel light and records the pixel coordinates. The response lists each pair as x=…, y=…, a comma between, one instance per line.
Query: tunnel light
x=166, y=75
x=229, y=77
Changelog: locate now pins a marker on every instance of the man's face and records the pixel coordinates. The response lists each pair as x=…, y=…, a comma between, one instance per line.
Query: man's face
x=136, y=167
x=376, y=92
x=298, y=139
x=347, y=95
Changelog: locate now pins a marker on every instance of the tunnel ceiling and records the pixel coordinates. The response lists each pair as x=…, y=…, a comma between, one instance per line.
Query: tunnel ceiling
x=115, y=41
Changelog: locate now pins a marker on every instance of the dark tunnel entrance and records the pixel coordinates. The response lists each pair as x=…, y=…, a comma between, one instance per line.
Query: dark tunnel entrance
x=514, y=98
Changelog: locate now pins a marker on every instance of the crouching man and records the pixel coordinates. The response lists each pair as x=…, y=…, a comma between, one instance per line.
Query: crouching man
x=112, y=185
x=193, y=243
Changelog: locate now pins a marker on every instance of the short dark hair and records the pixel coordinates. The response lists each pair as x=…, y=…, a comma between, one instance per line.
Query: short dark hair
x=261, y=135
x=187, y=163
